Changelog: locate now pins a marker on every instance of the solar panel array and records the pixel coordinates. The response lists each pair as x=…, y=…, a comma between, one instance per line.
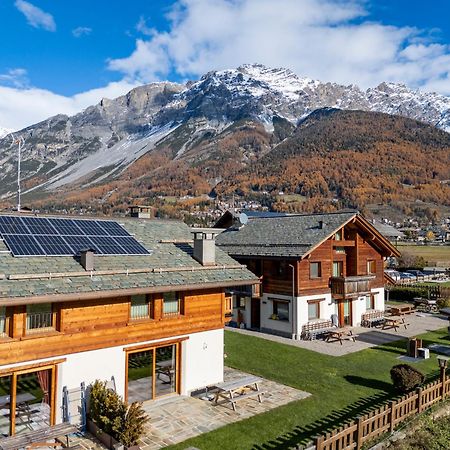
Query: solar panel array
x=42, y=236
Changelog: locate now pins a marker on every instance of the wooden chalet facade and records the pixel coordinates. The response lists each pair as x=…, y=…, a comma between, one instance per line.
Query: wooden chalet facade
x=311, y=267
x=151, y=325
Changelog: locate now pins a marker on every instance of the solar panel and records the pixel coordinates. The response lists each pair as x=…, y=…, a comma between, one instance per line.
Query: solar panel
x=38, y=225
x=91, y=228
x=66, y=227
x=12, y=225
x=131, y=246
x=113, y=228
x=23, y=245
x=33, y=236
x=54, y=245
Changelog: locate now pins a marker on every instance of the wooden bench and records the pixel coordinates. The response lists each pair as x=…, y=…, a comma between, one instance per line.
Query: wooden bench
x=39, y=438
x=235, y=390
x=372, y=318
x=312, y=330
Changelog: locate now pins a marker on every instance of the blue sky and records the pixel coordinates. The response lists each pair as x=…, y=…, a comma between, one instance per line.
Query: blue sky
x=62, y=56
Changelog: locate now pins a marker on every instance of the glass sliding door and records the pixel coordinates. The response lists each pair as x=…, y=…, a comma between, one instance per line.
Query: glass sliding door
x=5, y=406
x=140, y=376
x=165, y=370
x=33, y=401
x=152, y=373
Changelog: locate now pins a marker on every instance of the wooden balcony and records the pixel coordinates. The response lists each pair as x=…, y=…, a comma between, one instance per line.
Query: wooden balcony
x=343, y=287
x=252, y=290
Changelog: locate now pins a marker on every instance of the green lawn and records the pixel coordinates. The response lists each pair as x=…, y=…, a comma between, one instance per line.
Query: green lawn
x=438, y=254
x=341, y=388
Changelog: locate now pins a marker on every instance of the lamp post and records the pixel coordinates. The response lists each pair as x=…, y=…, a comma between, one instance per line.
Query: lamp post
x=443, y=364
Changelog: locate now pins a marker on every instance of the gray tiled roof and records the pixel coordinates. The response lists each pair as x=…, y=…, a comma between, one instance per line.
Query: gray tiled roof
x=147, y=232
x=289, y=236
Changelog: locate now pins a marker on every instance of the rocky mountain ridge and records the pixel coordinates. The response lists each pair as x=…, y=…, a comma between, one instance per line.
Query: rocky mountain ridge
x=99, y=143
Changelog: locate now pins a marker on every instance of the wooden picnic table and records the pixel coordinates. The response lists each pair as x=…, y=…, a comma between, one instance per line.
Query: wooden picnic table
x=394, y=322
x=341, y=334
x=39, y=438
x=165, y=368
x=235, y=390
x=399, y=310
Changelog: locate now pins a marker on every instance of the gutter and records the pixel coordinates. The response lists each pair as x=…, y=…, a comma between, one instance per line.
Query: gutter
x=94, y=295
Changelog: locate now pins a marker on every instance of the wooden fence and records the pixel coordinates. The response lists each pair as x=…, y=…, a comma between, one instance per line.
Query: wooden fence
x=383, y=419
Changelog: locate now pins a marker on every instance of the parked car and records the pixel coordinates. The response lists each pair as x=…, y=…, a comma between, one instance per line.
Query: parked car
x=417, y=273
x=394, y=274
x=407, y=276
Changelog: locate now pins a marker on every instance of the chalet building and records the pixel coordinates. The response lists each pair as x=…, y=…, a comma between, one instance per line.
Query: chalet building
x=312, y=267
x=139, y=303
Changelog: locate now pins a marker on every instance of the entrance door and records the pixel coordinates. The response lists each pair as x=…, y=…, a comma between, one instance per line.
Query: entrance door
x=256, y=313
x=345, y=313
x=152, y=373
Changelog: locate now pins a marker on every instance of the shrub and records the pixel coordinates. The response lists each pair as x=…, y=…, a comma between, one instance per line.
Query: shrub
x=112, y=415
x=405, y=378
x=407, y=293
x=443, y=303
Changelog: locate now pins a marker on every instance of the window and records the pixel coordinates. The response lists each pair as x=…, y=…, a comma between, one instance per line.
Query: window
x=39, y=317
x=240, y=302
x=171, y=304
x=338, y=268
x=281, y=310
x=370, y=302
x=141, y=307
x=315, y=270
x=3, y=322
x=339, y=249
x=313, y=309
x=371, y=266
x=339, y=235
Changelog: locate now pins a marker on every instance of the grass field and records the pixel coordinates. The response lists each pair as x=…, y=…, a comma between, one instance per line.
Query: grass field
x=341, y=387
x=431, y=253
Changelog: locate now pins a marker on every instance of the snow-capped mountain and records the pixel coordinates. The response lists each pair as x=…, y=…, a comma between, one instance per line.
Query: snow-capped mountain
x=5, y=131
x=100, y=142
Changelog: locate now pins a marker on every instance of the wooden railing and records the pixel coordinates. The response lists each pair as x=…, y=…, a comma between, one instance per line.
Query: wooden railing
x=252, y=290
x=383, y=419
x=228, y=307
x=343, y=286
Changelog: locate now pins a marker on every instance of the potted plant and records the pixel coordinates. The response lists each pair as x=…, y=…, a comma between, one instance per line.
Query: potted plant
x=116, y=424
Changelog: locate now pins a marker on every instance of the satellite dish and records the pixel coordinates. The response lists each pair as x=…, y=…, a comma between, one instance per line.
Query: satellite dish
x=243, y=218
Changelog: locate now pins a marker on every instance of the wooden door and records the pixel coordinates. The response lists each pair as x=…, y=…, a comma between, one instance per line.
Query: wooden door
x=345, y=313
x=255, y=313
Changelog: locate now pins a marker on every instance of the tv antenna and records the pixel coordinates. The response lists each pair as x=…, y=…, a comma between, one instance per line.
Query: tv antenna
x=20, y=141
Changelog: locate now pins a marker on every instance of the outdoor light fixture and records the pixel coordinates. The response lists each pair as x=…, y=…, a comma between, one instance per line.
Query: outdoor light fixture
x=443, y=361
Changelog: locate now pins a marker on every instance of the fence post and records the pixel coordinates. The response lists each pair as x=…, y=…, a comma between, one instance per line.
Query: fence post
x=319, y=442
x=419, y=399
x=392, y=408
x=359, y=432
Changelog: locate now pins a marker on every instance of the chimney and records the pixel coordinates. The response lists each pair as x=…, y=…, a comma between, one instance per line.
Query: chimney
x=87, y=259
x=205, y=245
x=320, y=224
x=141, y=212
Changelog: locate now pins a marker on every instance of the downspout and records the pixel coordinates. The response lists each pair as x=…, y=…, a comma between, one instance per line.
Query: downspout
x=294, y=305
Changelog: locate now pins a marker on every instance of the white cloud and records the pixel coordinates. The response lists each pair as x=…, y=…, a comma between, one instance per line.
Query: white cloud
x=22, y=107
x=35, y=16
x=81, y=31
x=15, y=77
x=143, y=28
x=330, y=40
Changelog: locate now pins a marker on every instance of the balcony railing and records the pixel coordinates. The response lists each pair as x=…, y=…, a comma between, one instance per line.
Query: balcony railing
x=39, y=321
x=342, y=287
x=253, y=290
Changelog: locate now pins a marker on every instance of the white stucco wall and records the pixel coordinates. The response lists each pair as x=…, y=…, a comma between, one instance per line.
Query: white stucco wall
x=201, y=365
x=327, y=308
x=379, y=298
x=202, y=360
x=283, y=327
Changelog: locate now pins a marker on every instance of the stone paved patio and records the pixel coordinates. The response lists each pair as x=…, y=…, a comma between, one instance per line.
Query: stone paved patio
x=367, y=337
x=177, y=418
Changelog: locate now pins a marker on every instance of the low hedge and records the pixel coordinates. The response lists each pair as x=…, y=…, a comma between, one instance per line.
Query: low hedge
x=407, y=293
